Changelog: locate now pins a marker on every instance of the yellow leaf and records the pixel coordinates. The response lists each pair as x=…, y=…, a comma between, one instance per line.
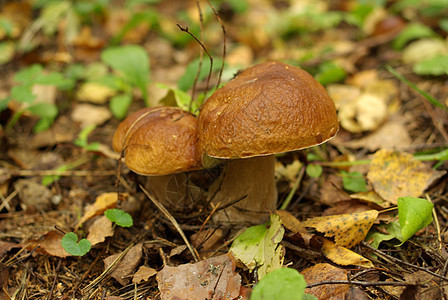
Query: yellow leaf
x=343, y=256
x=347, y=229
x=395, y=174
x=102, y=203
x=290, y=222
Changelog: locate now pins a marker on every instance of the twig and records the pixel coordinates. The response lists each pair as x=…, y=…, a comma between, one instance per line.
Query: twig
x=185, y=29
x=399, y=261
x=201, y=57
x=217, y=209
x=364, y=283
x=223, y=42
x=173, y=221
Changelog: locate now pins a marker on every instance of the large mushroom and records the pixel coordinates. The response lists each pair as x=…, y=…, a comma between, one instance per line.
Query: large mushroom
x=160, y=142
x=267, y=109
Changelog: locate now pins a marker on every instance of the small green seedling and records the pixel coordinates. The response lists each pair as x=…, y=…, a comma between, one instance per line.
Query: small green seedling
x=82, y=140
x=131, y=62
x=22, y=93
x=119, y=217
x=354, y=181
x=72, y=246
x=280, y=284
x=313, y=170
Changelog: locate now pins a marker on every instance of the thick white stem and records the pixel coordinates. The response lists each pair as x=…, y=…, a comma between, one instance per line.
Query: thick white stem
x=171, y=190
x=253, y=177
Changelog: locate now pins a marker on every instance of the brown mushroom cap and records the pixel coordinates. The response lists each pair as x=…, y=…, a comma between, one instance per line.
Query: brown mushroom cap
x=269, y=108
x=161, y=140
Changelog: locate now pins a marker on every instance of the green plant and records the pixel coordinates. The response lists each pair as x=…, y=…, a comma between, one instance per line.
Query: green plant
x=280, y=284
x=72, y=246
x=353, y=181
x=131, y=64
x=119, y=217
x=82, y=140
x=22, y=94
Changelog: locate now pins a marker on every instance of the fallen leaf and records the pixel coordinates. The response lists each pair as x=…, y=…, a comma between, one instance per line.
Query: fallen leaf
x=258, y=247
x=213, y=278
x=102, y=203
x=347, y=229
x=177, y=250
x=371, y=197
x=290, y=222
x=6, y=246
x=100, y=230
x=207, y=239
x=422, y=49
x=48, y=244
x=88, y=114
x=126, y=266
x=391, y=135
x=34, y=196
x=143, y=274
x=4, y=277
x=343, y=256
x=94, y=93
x=326, y=272
x=398, y=174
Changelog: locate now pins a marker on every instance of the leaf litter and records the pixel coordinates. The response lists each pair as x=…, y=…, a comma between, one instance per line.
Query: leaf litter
x=396, y=120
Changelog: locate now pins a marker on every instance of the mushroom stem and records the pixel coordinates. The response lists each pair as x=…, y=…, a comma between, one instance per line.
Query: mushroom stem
x=171, y=190
x=253, y=177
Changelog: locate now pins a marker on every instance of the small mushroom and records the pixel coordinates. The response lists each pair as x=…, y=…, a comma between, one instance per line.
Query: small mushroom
x=160, y=142
x=267, y=109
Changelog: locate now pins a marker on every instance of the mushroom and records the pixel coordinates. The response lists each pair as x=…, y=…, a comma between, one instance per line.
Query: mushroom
x=160, y=142
x=267, y=109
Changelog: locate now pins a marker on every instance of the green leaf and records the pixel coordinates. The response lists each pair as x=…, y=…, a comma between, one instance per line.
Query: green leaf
x=56, y=79
x=329, y=72
x=354, y=182
x=411, y=32
x=43, y=124
x=176, y=97
x=436, y=66
x=82, y=141
x=376, y=237
x=119, y=105
x=280, y=284
x=313, y=170
x=132, y=61
x=44, y=110
x=187, y=80
x=28, y=75
x=120, y=217
x=258, y=246
x=22, y=93
x=72, y=246
x=414, y=214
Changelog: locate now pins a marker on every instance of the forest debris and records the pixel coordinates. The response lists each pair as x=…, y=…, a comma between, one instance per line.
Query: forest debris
x=100, y=230
x=94, y=93
x=343, y=256
x=213, y=278
x=398, y=174
x=88, y=114
x=290, y=222
x=347, y=229
x=34, y=196
x=6, y=246
x=207, y=239
x=370, y=197
x=326, y=272
x=126, y=266
x=48, y=244
x=102, y=203
x=258, y=247
x=143, y=274
x=391, y=135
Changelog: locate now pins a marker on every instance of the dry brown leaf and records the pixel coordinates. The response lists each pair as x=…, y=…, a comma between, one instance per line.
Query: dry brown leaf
x=346, y=207
x=143, y=274
x=48, y=244
x=347, y=229
x=102, y=203
x=126, y=266
x=214, y=276
x=6, y=246
x=290, y=222
x=100, y=230
x=326, y=272
x=343, y=256
x=395, y=174
x=177, y=250
x=207, y=239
